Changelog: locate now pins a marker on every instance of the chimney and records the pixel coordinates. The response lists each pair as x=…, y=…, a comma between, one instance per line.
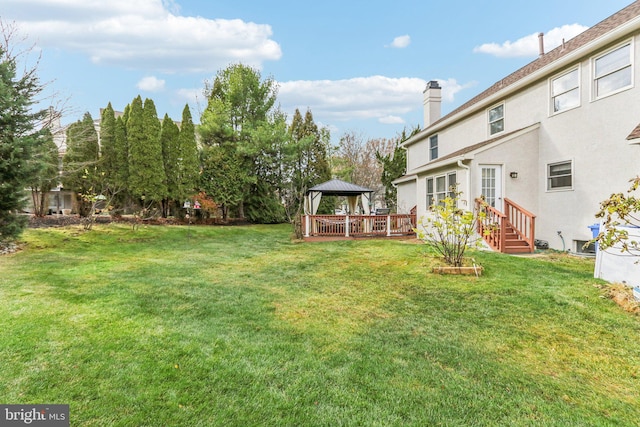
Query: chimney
x=432, y=101
x=541, y=43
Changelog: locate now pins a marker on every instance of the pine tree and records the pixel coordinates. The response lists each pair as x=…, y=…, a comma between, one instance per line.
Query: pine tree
x=394, y=166
x=108, y=160
x=147, y=180
x=240, y=108
x=121, y=154
x=189, y=162
x=169, y=135
x=18, y=135
x=80, y=161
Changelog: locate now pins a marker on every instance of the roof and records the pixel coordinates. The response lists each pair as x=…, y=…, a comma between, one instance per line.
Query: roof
x=461, y=155
x=607, y=25
x=635, y=134
x=338, y=187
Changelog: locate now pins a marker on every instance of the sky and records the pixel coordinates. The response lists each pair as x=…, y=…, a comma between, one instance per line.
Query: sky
x=360, y=66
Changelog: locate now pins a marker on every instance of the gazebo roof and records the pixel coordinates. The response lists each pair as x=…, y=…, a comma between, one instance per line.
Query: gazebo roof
x=337, y=187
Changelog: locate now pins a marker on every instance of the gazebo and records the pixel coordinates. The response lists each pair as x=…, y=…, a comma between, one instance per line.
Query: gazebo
x=336, y=187
x=352, y=224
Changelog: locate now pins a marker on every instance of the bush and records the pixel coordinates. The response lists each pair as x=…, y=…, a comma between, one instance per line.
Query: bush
x=450, y=230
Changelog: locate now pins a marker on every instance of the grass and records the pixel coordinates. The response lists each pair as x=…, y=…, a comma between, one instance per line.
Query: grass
x=240, y=326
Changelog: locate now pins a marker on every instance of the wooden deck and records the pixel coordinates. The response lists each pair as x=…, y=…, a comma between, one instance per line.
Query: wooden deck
x=323, y=227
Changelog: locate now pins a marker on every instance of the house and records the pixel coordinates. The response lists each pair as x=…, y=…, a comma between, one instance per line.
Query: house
x=549, y=141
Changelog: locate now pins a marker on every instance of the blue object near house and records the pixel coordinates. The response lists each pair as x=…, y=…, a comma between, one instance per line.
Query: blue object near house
x=595, y=230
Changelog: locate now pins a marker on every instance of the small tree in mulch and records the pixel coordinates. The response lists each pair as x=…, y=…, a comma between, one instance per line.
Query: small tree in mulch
x=450, y=230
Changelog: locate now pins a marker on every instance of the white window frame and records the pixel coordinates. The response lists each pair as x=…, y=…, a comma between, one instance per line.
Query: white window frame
x=553, y=95
x=490, y=122
x=629, y=65
x=440, y=194
x=549, y=178
x=432, y=147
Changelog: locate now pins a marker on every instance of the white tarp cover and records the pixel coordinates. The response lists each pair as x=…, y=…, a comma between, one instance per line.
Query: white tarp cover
x=366, y=207
x=312, y=202
x=353, y=204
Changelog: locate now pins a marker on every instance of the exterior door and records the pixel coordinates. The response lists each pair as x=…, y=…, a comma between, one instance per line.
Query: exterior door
x=491, y=185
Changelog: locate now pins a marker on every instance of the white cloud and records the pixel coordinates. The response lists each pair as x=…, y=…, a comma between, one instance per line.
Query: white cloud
x=372, y=97
x=401, y=42
x=528, y=45
x=451, y=87
x=151, y=84
x=143, y=34
x=392, y=120
x=380, y=98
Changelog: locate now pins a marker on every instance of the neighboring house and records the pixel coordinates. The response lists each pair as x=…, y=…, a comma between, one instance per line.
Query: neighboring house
x=58, y=199
x=556, y=137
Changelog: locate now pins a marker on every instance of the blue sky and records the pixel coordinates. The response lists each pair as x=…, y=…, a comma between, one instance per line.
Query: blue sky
x=360, y=66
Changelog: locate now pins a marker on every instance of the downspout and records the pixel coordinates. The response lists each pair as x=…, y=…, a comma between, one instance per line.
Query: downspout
x=468, y=169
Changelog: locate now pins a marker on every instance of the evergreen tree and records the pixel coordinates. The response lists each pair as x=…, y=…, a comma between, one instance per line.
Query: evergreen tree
x=147, y=180
x=222, y=176
x=108, y=160
x=394, y=165
x=189, y=162
x=121, y=154
x=18, y=135
x=240, y=108
x=309, y=163
x=80, y=161
x=169, y=138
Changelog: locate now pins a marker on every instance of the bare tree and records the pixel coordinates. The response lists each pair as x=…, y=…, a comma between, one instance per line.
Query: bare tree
x=355, y=161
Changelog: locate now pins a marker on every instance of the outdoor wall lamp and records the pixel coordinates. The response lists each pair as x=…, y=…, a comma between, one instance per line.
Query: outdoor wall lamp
x=513, y=174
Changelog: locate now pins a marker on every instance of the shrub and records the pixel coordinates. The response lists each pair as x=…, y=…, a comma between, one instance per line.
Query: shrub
x=449, y=230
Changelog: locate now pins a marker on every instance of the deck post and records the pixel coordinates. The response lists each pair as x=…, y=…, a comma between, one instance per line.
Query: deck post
x=306, y=225
x=346, y=226
x=388, y=225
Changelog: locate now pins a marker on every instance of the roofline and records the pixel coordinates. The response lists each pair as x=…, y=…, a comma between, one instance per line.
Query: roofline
x=404, y=178
x=487, y=98
x=454, y=158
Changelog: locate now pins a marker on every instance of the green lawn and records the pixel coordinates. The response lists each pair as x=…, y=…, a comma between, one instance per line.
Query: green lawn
x=239, y=326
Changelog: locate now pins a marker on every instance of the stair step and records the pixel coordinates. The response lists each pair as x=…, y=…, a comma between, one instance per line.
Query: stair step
x=515, y=243
x=517, y=250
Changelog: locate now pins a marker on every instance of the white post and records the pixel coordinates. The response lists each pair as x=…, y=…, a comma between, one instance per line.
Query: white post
x=346, y=226
x=388, y=225
x=306, y=226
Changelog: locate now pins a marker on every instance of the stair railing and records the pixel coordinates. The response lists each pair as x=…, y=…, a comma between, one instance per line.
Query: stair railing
x=491, y=225
x=522, y=221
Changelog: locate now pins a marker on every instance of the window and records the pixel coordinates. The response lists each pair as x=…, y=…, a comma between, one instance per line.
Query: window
x=559, y=176
x=496, y=119
x=612, y=71
x=433, y=147
x=429, y=192
x=565, y=91
x=441, y=186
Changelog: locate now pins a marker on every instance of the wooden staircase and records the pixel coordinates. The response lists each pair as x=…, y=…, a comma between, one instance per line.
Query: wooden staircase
x=511, y=231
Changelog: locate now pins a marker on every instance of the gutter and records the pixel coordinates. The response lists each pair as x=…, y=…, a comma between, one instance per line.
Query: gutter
x=468, y=169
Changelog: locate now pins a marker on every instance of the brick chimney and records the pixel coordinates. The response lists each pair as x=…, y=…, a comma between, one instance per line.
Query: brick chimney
x=432, y=100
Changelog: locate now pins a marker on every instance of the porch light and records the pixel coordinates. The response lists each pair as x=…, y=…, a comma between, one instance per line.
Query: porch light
x=513, y=174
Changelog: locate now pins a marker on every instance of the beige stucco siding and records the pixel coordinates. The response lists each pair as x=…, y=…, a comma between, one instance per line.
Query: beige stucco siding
x=406, y=196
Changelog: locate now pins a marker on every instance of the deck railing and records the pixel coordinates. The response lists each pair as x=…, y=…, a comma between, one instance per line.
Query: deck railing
x=359, y=225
